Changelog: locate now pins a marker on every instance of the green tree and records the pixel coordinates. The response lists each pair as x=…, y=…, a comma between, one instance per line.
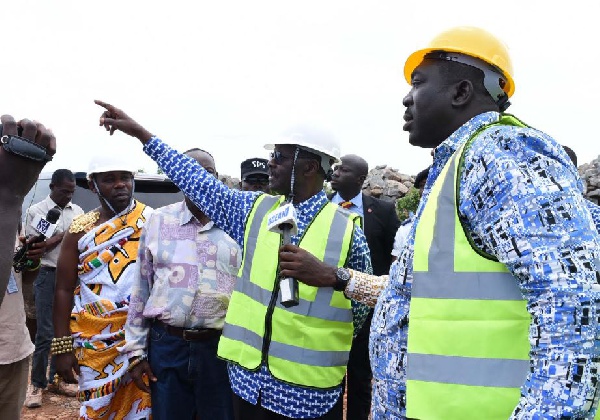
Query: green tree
x=408, y=204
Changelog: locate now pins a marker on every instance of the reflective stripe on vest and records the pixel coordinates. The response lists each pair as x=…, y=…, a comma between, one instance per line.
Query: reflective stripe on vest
x=468, y=347
x=308, y=344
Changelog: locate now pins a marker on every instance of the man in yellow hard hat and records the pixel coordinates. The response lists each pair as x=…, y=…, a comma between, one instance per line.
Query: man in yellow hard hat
x=500, y=271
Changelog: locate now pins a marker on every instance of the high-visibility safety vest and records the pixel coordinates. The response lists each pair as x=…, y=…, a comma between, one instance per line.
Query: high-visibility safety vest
x=308, y=344
x=468, y=347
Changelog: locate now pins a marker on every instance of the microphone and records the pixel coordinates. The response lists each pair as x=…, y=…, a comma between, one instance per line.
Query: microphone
x=45, y=228
x=283, y=221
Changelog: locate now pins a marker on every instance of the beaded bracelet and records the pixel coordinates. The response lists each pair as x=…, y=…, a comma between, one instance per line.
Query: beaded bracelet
x=136, y=361
x=61, y=345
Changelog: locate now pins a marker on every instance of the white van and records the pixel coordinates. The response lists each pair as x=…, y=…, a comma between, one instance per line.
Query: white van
x=152, y=190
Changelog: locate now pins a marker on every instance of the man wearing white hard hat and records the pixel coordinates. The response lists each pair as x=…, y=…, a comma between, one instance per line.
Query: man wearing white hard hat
x=100, y=250
x=284, y=361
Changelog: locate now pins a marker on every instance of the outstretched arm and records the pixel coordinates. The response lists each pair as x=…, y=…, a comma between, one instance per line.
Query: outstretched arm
x=226, y=207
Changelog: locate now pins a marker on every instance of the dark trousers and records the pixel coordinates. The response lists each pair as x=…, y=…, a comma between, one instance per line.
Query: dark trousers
x=359, y=375
x=192, y=381
x=246, y=411
x=43, y=291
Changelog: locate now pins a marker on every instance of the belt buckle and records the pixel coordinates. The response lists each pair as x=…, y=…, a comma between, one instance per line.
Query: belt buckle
x=184, y=335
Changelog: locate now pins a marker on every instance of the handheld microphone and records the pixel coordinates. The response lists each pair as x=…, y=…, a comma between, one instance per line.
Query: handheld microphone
x=45, y=227
x=283, y=221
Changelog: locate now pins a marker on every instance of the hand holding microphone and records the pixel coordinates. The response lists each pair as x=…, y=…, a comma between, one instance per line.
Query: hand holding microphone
x=45, y=228
x=283, y=221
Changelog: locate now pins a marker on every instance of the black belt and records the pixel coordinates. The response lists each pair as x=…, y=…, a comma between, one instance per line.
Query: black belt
x=190, y=334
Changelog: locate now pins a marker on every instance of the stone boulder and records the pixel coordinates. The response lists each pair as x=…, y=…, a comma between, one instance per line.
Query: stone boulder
x=387, y=183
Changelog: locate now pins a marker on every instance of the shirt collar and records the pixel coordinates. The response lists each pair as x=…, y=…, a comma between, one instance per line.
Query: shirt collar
x=186, y=216
x=316, y=201
x=463, y=133
x=51, y=204
x=357, y=200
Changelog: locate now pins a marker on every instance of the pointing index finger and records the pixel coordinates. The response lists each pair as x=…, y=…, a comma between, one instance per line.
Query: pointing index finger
x=104, y=105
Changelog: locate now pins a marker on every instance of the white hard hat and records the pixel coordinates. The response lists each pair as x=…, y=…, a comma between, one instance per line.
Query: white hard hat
x=314, y=139
x=100, y=164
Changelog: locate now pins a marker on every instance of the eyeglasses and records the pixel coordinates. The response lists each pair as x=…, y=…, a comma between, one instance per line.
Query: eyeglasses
x=257, y=181
x=278, y=157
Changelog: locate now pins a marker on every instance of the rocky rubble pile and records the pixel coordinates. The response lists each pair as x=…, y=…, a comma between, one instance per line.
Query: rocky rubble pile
x=230, y=181
x=387, y=183
x=590, y=173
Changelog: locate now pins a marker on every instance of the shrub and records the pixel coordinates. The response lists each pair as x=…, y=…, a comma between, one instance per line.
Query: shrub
x=407, y=204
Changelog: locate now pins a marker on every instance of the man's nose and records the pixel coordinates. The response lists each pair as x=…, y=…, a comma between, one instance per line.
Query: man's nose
x=407, y=100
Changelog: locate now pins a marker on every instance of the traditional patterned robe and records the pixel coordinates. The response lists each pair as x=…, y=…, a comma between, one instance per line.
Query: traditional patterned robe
x=107, y=264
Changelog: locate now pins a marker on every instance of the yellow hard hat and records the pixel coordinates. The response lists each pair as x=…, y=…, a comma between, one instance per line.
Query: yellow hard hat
x=470, y=41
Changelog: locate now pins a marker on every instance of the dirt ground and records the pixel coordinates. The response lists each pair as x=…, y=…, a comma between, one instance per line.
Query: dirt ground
x=57, y=407
x=53, y=407
x=60, y=407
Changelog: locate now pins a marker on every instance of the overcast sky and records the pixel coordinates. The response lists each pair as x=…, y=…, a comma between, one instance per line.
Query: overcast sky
x=229, y=76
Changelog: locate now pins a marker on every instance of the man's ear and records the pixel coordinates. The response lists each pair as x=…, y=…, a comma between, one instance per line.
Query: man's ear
x=463, y=93
x=311, y=167
x=92, y=186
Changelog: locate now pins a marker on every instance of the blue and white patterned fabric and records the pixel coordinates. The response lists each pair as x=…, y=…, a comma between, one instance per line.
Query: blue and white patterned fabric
x=229, y=209
x=595, y=211
x=522, y=201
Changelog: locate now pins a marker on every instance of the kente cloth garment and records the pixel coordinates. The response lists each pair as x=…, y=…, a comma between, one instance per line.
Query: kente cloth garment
x=107, y=264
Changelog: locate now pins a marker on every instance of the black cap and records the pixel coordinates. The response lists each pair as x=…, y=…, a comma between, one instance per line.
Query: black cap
x=254, y=166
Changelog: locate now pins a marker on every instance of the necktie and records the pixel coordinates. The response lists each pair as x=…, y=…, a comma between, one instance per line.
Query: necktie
x=346, y=204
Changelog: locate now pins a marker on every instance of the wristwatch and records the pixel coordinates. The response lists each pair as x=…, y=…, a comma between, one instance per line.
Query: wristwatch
x=342, y=277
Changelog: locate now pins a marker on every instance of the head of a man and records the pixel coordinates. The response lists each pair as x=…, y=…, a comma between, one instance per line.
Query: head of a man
x=307, y=170
x=62, y=187
x=463, y=72
x=571, y=155
x=421, y=180
x=111, y=178
x=208, y=162
x=254, y=175
x=443, y=96
x=306, y=154
x=348, y=177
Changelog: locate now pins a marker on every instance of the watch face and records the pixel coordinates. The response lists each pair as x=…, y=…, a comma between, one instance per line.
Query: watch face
x=343, y=274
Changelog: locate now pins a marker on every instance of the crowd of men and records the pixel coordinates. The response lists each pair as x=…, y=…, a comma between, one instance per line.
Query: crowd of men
x=274, y=300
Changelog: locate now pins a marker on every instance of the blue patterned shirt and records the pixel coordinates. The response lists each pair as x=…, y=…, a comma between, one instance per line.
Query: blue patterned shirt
x=522, y=201
x=595, y=211
x=229, y=209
